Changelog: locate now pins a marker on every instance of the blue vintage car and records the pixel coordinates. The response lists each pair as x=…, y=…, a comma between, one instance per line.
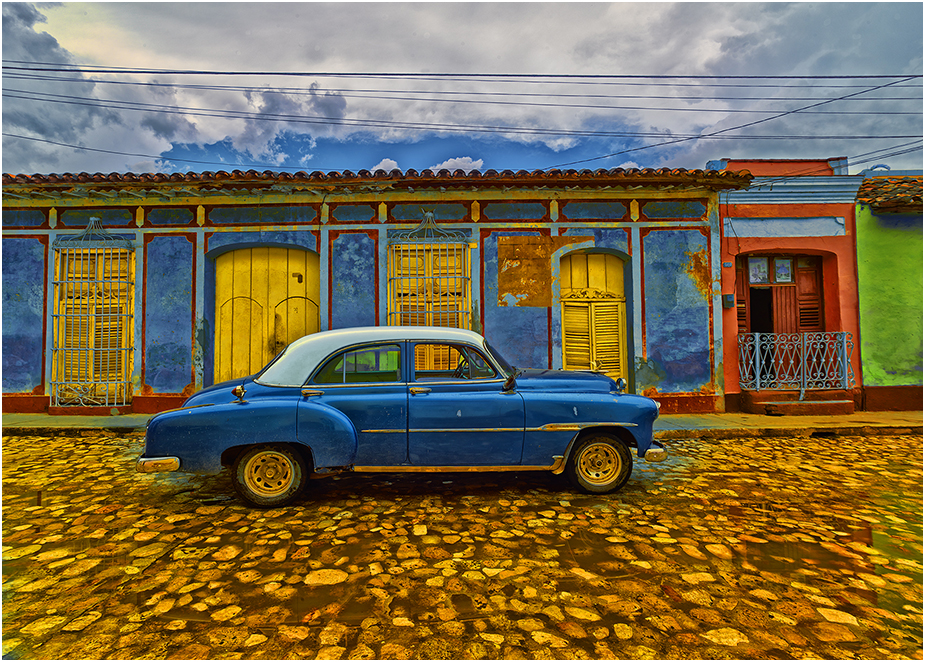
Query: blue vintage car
x=394, y=399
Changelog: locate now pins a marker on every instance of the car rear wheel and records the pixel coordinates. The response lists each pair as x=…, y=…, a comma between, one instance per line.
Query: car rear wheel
x=269, y=476
x=600, y=463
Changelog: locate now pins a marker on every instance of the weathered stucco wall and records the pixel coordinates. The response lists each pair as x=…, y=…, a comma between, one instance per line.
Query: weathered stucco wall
x=890, y=294
x=168, y=314
x=678, y=339
x=23, y=313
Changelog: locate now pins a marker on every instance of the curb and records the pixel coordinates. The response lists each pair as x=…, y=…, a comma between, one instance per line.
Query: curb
x=817, y=431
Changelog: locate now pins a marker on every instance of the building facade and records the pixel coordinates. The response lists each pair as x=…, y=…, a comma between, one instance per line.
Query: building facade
x=789, y=282
x=126, y=293
x=889, y=246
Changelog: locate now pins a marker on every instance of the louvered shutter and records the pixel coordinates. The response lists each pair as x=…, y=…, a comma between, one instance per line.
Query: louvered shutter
x=608, y=321
x=576, y=335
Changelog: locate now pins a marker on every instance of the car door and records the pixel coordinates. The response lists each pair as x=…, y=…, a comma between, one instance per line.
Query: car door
x=458, y=415
x=365, y=384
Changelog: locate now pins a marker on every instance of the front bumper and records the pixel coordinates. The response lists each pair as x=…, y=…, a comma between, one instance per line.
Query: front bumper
x=656, y=453
x=147, y=465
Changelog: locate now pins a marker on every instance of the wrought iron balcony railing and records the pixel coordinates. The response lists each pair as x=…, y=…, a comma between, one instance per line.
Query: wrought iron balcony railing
x=795, y=361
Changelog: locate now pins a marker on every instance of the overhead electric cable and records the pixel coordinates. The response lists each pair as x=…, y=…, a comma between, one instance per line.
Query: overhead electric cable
x=733, y=128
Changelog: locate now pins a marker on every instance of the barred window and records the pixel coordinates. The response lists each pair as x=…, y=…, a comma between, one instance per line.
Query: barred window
x=429, y=285
x=93, y=329
x=429, y=277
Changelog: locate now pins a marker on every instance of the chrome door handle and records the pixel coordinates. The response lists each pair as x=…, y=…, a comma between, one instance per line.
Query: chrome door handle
x=418, y=390
x=307, y=392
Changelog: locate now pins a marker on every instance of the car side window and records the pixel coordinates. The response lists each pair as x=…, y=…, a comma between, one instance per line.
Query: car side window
x=367, y=365
x=442, y=362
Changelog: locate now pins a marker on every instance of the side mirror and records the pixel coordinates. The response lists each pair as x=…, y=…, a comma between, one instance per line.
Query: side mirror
x=238, y=392
x=621, y=385
x=509, y=384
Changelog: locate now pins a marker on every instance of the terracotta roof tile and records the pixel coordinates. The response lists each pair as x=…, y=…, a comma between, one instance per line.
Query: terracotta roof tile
x=892, y=194
x=714, y=179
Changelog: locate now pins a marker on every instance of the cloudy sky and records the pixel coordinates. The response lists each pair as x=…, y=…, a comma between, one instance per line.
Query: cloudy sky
x=175, y=87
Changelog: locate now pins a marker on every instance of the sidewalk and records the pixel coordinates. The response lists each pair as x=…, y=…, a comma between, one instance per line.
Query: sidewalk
x=668, y=426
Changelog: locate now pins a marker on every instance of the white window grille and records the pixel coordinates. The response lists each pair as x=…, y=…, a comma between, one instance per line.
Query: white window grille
x=93, y=327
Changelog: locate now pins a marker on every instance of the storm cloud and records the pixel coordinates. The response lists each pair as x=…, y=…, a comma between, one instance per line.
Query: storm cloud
x=334, y=108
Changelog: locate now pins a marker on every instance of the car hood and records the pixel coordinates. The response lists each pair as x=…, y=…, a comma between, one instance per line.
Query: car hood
x=564, y=380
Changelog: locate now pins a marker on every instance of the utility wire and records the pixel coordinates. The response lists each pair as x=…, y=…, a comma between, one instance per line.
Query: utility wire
x=733, y=128
x=114, y=104
x=363, y=92
x=875, y=155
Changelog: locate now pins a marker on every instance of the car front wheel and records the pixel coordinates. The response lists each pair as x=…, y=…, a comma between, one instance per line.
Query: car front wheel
x=600, y=463
x=269, y=476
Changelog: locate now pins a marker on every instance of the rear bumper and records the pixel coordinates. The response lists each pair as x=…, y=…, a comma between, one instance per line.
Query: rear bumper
x=147, y=465
x=656, y=453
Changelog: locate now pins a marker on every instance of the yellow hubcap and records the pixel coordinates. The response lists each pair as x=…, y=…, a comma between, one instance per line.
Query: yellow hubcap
x=599, y=464
x=269, y=474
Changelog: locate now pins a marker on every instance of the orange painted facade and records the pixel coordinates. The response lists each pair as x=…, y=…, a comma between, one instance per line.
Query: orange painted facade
x=803, y=215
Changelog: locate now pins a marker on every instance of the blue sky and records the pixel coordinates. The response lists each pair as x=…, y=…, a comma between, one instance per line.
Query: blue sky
x=173, y=87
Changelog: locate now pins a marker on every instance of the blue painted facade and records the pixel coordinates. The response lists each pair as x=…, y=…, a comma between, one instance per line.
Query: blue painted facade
x=667, y=241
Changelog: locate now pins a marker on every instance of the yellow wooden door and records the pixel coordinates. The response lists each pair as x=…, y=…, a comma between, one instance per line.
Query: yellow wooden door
x=265, y=298
x=593, y=314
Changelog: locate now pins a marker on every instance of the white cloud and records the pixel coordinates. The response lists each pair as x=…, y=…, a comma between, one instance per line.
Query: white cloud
x=626, y=165
x=466, y=163
x=385, y=164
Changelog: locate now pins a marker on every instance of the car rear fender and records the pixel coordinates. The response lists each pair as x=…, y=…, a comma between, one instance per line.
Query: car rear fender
x=199, y=436
x=329, y=434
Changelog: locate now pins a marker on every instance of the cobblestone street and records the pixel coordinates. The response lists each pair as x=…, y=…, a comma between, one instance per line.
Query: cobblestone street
x=757, y=548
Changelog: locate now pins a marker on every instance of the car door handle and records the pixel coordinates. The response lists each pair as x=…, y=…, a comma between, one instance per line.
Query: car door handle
x=418, y=390
x=307, y=392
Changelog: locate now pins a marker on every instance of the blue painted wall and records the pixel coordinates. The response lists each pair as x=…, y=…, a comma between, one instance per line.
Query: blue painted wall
x=353, y=281
x=23, y=312
x=168, y=314
x=677, y=320
x=521, y=334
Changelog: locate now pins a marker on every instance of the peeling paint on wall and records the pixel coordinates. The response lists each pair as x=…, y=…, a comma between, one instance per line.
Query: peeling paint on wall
x=525, y=268
x=699, y=271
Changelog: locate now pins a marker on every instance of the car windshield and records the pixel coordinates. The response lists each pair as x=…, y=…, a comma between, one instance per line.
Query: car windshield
x=506, y=367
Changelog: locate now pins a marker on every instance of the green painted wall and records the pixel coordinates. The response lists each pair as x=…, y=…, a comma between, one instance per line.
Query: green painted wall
x=890, y=296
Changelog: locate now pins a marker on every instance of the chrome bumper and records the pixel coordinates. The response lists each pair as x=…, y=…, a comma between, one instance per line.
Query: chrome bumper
x=147, y=465
x=656, y=453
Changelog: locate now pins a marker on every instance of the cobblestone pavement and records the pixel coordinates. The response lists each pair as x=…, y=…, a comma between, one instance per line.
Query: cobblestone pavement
x=757, y=548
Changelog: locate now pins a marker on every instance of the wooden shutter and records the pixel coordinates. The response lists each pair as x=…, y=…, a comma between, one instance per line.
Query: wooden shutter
x=593, y=336
x=809, y=295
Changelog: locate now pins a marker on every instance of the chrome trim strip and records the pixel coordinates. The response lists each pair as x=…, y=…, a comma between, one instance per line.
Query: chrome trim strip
x=417, y=469
x=549, y=427
x=461, y=382
x=572, y=427
x=426, y=430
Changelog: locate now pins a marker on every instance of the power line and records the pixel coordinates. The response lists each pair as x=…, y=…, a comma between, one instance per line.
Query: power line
x=733, y=128
x=362, y=92
x=114, y=104
x=556, y=105
x=873, y=156
x=62, y=67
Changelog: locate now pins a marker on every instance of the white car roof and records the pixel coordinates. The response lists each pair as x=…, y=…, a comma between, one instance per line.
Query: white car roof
x=303, y=356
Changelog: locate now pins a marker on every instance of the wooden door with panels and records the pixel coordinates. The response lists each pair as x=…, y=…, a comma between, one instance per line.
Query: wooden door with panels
x=593, y=314
x=265, y=298
x=779, y=294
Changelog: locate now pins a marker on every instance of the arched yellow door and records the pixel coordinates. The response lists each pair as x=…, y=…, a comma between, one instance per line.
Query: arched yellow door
x=265, y=298
x=593, y=313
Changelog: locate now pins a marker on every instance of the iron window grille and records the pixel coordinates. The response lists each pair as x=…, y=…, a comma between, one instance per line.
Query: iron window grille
x=429, y=281
x=93, y=327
